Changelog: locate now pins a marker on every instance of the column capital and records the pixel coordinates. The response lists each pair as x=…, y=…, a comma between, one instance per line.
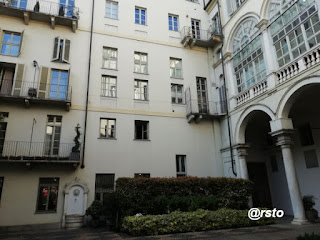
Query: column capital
x=263, y=24
x=242, y=150
x=283, y=137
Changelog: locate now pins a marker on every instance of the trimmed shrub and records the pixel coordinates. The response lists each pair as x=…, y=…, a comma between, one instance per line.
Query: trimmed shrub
x=137, y=195
x=309, y=237
x=179, y=222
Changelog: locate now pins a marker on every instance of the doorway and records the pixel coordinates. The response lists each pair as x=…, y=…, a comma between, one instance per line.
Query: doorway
x=195, y=27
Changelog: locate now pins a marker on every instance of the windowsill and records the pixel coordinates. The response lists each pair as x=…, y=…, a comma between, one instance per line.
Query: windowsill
x=57, y=61
x=104, y=138
x=142, y=140
x=141, y=24
x=141, y=73
x=181, y=78
x=111, y=98
x=141, y=101
x=7, y=55
x=173, y=31
x=178, y=104
x=113, y=69
x=45, y=212
x=116, y=19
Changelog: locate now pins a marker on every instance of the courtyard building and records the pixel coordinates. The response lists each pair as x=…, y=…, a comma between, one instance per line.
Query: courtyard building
x=159, y=89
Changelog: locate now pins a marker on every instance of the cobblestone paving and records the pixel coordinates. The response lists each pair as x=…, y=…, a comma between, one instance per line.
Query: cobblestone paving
x=273, y=232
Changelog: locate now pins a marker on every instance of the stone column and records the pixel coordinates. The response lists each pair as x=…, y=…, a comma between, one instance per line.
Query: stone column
x=284, y=140
x=242, y=159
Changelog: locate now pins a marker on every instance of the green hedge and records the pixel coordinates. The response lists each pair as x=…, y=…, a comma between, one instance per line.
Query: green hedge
x=179, y=222
x=137, y=195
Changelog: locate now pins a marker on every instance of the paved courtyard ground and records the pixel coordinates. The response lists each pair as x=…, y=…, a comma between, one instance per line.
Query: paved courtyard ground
x=283, y=231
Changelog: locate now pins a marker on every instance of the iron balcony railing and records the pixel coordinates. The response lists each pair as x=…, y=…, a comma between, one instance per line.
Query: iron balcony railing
x=45, y=7
x=199, y=34
x=37, y=151
x=208, y=108
x=35, y=90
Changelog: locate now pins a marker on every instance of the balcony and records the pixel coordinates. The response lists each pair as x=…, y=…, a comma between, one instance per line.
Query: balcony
x=54, y=13
x=200, y=38
x=205, y=110
x=30, y=153
x=36, y=93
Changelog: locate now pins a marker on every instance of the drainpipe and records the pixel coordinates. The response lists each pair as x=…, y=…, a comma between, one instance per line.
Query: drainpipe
x=88, y=85
x=225, y=96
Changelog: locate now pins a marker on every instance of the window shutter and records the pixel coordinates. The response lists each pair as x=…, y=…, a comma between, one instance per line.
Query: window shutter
x=43, y=82
x=21, y=41
x=18, y=79
x=66, y=50
x=55, y=56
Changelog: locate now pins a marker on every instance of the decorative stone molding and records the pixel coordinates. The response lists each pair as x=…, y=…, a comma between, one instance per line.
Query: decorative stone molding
x=262, y=25
x=284, y=138
x=242, y=150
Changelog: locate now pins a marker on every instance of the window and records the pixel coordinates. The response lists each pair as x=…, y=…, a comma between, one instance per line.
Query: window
x=216, y=26
x=107, y=128
x=61, y=50
x=175, y=68
x=104, y=184
x=109, y=86
x=52, y=137
x=142, y=175
x=141, y=130
x=295, y=29
x=141, y=90
x=177, y=93
x=141, y=16
x=1, y=186
x=20, y=4
x=109, y=58
x=140, y=62
x=195, y=1
x=48, y=194
x=181, y=165
x=112, y=9
x=233, y=5
x=173, y=23
x=219, y=54
x=11, y=43
x=58, y=86
x=311, y=159
x=248, y=60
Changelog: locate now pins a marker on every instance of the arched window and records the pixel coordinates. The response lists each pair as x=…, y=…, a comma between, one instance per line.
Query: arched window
x=295, y=28
x=248, y=60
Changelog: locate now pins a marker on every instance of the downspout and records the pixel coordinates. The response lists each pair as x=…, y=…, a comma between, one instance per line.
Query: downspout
x=226, y=97
x=88, y=85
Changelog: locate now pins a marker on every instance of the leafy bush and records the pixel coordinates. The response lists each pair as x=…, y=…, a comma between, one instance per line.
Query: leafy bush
x=309, y=237
x=95, y=210
x=138, y=195
x=200, y=220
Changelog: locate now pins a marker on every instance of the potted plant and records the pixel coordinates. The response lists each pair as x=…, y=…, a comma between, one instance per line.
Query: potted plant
x=308, y=203
x=37, y=7
x=75, y=154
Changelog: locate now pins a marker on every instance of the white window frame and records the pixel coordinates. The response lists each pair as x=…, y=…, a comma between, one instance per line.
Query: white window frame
x=140, y=20
x=11, y=44
x=112, y=14
x=138, y=63
x=181, y=161
x=108, y=58
x=174, y=67
x=174, y=94
x=106, y=86
x=108, y=128
x=138, y=93
x=61, y=50
x=173, y=17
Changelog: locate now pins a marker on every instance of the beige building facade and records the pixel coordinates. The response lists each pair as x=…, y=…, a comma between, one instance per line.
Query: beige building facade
x=159, y=89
